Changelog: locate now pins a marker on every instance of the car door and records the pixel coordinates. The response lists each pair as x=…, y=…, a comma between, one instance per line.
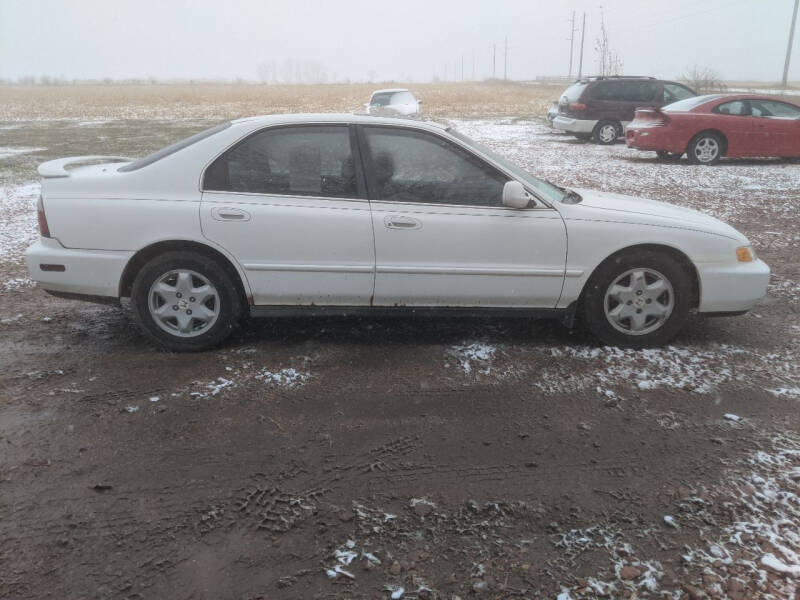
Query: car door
x=778, y=126
x=734, y=121
x=290, y=205
x=442, y=235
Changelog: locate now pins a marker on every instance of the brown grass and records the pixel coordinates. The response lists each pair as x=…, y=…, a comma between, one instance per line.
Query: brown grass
x=226, y=101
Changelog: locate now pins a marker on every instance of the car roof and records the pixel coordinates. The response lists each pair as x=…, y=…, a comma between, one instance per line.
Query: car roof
x=389, y=91
x=733, y=97
x=301, y=118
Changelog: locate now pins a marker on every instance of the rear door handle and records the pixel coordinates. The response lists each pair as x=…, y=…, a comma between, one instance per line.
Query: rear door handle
x=229, y=214
x=401, y=222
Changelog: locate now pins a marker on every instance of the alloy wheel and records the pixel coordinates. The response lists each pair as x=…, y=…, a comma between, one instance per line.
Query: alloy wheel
x=184, y=303
x=639, y=301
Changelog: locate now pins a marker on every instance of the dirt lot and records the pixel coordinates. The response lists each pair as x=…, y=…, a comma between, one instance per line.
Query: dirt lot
x=350, y=458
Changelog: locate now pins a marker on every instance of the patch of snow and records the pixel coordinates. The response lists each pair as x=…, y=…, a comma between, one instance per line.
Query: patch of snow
x=131, y=409
x=6, y=151
x=732, y=417
x=791, y=392
x=18, y=283
x=18, y=215
x=214, y=387
x=475, y=356
x=289, y=377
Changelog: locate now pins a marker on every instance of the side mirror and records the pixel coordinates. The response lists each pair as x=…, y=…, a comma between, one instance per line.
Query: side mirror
x=419, y=101
x=515, y=196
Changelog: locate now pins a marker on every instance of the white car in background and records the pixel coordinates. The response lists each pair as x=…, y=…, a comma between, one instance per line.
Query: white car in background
x=395, y=102
x=346, y=214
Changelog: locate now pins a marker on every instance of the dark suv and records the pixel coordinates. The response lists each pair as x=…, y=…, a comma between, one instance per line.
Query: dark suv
x=601, y=107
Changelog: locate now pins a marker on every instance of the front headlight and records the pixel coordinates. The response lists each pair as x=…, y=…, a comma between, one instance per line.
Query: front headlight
x=745, y=254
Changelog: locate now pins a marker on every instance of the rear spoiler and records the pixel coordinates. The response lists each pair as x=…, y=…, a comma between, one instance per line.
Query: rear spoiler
x=57, y=168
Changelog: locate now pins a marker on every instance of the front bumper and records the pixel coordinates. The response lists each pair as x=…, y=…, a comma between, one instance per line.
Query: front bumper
x=571, y=125
x=85, y=272
x=731, y=288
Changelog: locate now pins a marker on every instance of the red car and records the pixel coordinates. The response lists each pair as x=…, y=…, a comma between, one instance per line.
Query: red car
x=707, y=128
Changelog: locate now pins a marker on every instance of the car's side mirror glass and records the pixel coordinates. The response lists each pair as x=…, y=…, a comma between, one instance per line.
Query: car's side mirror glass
x=515, y=196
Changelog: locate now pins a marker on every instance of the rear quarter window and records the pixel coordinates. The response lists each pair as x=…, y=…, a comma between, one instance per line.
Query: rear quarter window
x=607, y=90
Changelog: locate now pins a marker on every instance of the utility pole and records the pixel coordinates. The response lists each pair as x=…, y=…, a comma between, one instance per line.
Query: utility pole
x=791, y=41
x=571, y=43
x=583, y=33
x=494, y=61
x=505, y=61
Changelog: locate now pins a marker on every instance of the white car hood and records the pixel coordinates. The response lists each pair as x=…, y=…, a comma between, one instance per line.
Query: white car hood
x=651, y=212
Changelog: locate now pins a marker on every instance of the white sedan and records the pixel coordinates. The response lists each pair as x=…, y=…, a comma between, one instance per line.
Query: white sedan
x=396, y=102
x=344, y=214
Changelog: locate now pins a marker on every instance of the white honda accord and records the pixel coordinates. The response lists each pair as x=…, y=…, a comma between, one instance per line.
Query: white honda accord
x=344, y=214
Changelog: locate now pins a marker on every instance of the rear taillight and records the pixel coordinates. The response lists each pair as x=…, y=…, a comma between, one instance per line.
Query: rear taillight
x=44, y=229
x=577, y=106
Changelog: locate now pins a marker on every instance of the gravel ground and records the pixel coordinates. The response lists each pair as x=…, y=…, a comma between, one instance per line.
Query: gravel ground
x=377, y=458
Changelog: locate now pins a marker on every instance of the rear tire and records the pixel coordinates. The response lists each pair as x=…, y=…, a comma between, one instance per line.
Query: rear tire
x=637, y=300
x=705, y=149
x=185, y=302
x=606, y=132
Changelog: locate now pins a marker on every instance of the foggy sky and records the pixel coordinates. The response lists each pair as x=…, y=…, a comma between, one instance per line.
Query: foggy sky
x=408, y=40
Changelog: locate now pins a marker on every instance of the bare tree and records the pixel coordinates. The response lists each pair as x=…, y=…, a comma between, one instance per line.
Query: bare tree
x=703, y=80
x=607, y=58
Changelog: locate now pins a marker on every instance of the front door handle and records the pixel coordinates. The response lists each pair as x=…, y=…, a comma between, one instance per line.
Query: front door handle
x=401, y=222
x=229, y=214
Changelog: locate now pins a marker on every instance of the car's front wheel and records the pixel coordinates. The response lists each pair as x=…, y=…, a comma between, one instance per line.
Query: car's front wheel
x=185, y=302
x=638, y=299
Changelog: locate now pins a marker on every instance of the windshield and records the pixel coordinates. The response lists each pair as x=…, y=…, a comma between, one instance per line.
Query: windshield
x=164, y=152
x=690, y=103
x=549, y=191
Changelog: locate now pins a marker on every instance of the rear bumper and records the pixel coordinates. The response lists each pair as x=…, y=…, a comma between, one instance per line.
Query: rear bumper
x=85, y=272
x=732, y=288
x=652, y=138
x=571, y=125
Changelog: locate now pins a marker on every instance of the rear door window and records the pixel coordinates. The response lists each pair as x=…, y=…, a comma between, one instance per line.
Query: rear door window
x=639, y=91
x=739, y=108
x=289, y=161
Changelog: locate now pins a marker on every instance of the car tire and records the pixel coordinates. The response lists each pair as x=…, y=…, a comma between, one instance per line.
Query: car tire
x=606, y=132
x=669, y=156
x=705, y=148
x=637, y=300
x=185, y=302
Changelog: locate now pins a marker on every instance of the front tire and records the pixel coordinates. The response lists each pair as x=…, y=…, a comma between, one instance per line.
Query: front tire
x=637, y=300
x=606, y=132
x=705, y=149
x=185, y=302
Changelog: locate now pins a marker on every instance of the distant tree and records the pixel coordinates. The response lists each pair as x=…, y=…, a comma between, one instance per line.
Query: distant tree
x=703, y=80
x=608, y=60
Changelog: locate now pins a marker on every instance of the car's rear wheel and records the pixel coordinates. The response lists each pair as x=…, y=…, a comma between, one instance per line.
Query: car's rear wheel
x=637, y=300
x=185, y=302
x=705, y=149
x=606, y=132
x=669, y=156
